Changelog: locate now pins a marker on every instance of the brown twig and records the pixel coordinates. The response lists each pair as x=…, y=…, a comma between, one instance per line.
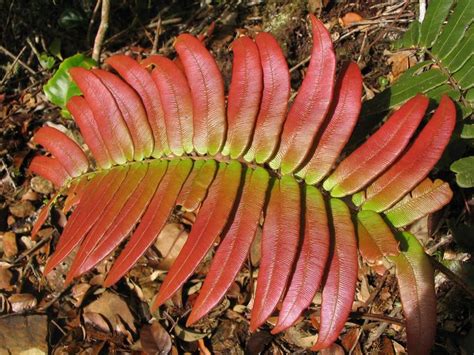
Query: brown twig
x=378, y=317
x=92, y=21
x=154, y=49
x=452, y=276
x=14, y=57
x=103, y=26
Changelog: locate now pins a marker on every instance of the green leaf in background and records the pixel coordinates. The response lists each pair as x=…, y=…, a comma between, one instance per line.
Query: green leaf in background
x=445, y=43
x=60, y=88
x=46, y=61
x=431, y=26
x=464, y=169
x=468, y=131
x=71, y=18
x=55, y=48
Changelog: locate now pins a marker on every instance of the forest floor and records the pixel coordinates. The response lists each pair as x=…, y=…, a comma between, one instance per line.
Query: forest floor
x=38, y=312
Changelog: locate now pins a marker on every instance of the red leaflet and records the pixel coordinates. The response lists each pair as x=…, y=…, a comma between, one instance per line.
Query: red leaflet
x=135, y=174
x=153, y=220
x=311, y=104
x=415, y=277
x=90, y=131
x=133, y=113
x=234, y=248
x=75, y=193
x=311, y=261
x=426, y=198
x=280, y=239
x=64, y=149
x=276, y=92
x=207, y=91
x=189, y=182
x=416, y=163
x=340, y=284
x=244, y=96
x=112, y=127
x=343, y=116
x=376, y=240
x=49, y=168
x=177, y=104
x=198, y=186
x=96, y=198
x=43, y=216
x=128, y=216
x=139, y=79
x=209, y=223
x=379, y=151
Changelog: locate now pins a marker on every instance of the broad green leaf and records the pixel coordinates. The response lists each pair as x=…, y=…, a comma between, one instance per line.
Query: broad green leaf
x=454, y=30
x=441, y=90
x=464, y=169
x=461, y=54
x=46, y=61
x=71, y=18
x=60, y=88
x=415, y=276
x=55, y=48
x=410, y=37
x=405, y=88
x=465, y=76
x=468, y=131
x=435, y=16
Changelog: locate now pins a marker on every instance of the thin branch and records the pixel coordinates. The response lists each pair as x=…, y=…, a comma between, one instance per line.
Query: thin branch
x=104, y=25
x=14, y=57
x=452, y=277
x=92, y=21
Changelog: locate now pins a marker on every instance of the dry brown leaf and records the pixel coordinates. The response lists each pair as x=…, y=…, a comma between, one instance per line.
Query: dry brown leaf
x=5, y=279
x=350, y=338
x=400, y=62
x=78, y=292
x=22, y=302
x=350, y=18
x=334, y=349
x=41, y=185
x=30, y=335
x=97, y=321
x=155, y=339
x=169, y=243
x=10, y=248
x=22, y=209
x=109, y=304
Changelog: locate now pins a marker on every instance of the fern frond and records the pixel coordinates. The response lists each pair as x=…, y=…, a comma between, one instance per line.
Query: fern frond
x=161, y=137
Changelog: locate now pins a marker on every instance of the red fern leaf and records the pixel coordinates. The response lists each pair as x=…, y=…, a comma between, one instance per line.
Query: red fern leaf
x=340, y=284
x=311, y=104
x=276, y=91
x=280, y=239
x=153, y=220
x=234, y=248
x=244, y=97
x=49, y=168
x=140, y=80
x=207, y=91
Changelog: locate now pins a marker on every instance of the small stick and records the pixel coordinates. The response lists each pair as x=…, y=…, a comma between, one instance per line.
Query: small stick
x=91, y=22
x=14, y=57
x=452, y=276
x=104, y=25
x=154, y=50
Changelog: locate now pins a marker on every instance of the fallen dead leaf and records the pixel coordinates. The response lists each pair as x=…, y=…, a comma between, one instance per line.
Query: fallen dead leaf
x=78, y=293
x=400, y=62
x=350, y=18
x=5, y=279
x=97, y=321
x=155, y=339
x=22, y=209
x=30, y=335
x=10, y=248
x=109, y=304
x=22, y=302
x=334, y=349
x=169, y=243
x=41, y=185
